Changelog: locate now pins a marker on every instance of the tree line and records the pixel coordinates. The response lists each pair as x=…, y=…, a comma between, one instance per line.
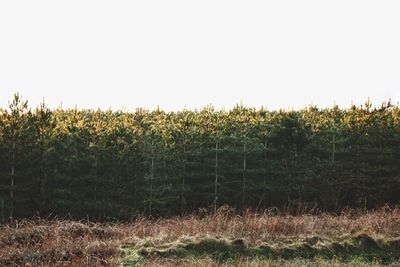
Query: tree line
x=113, y=164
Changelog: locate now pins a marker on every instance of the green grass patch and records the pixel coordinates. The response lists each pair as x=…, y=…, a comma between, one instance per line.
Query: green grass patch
x=360, y=248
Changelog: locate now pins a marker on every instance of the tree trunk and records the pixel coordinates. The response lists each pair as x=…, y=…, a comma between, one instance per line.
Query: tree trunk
x=183, y=181
x=216, y=176
x=288, y=168
x=265, y=172
x=43, y=178
x=95, y=176
x=151, y=181
x=244, y=175
x=333, y=148
x=12, y=179
x=263, y=197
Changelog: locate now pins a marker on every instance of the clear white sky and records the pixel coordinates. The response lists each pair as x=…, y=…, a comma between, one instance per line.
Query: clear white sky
x=176, y=54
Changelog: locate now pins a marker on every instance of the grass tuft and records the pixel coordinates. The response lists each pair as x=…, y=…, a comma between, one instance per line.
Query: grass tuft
x=222, y=237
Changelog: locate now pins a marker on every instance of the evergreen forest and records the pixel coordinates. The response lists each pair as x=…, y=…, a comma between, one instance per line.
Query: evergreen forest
x=105, y=165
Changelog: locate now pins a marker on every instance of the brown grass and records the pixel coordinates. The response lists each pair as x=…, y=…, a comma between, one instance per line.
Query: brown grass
x=60, y=242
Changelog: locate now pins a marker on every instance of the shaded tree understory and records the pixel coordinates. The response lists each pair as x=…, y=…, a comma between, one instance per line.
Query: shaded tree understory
x=113, y=164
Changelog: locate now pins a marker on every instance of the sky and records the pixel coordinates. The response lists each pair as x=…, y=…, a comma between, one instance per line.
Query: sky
x=189, y=54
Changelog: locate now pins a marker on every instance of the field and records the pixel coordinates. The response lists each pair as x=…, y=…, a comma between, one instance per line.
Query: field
x=351, y=238
x=195, y=188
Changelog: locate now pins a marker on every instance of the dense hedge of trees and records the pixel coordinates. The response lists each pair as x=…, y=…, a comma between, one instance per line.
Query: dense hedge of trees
x=114, y=164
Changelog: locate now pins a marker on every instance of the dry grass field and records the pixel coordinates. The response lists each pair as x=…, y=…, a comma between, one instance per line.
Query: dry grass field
x=223, y=238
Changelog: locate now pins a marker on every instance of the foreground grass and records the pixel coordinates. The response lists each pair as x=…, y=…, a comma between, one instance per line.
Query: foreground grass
x=222, y=238
x=360, y=248
x=245, y=262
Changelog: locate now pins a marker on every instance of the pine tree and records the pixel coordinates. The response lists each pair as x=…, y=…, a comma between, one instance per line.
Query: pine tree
x=15, y=125
x=44, y=126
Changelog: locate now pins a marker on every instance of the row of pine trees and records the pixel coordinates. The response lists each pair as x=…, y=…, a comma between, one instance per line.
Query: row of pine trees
x=105, y=165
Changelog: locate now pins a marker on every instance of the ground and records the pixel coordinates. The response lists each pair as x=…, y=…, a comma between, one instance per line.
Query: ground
x=223, y=238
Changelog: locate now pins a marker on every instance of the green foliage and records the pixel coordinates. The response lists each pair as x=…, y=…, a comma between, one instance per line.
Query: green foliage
x=103, y=165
